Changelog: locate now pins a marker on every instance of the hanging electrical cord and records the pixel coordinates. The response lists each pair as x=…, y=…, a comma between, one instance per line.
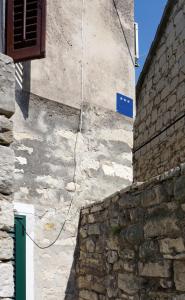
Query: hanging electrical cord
x=130, y=53
x=72, y=199
x=79, y=130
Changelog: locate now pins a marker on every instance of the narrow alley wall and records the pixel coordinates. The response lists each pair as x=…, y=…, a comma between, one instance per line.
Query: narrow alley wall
x=159, y=127
x=47, y=153
x=7, y=108
x=132, y=245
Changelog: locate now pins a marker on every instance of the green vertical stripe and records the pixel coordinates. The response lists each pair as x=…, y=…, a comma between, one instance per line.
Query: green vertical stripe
x=20, y=257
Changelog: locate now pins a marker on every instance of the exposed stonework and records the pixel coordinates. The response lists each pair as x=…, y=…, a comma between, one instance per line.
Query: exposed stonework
x=161, y=99
x=7, y=93
x=7, y=98
x=44, y=172
x=6, y=280
x=132, y=245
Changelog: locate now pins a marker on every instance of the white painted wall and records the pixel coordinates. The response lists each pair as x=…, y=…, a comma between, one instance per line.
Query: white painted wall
x=86, y=54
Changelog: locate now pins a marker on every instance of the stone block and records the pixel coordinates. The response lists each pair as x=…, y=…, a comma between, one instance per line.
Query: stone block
x=94, y=229
x=128, y=283
x=149, y=249
x=97, y=208
x=157, y=269
x=133, y=234
x=160, y=295
x=179, y=275
x=179, y=189
x=91, y=218
x=166, y=283
x=112, y=257
x=112, y=242
x=6, y=131
x=6, y=280
x=90, y=245
x=6, y=246
x=6, y=214
x=118, y=266
x=170, y=246
x=83, y=232
x=161, y=227
x=154, y=196
x=91, y=283
x=129, y=266
x=128, y=200
x=127, y=254
x=179, y=297
x=7, y=80
x=88, y=295
x=112, y=292
x=6, y=170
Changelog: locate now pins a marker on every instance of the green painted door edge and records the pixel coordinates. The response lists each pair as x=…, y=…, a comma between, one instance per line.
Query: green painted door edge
x=20, y=257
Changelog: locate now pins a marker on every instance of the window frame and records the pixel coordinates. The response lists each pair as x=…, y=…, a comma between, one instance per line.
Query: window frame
x=20, y=257
x=27, y=53
x=27, y=210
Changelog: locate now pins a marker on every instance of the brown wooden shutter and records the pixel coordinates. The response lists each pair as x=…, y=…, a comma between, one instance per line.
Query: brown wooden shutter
x=25, y=29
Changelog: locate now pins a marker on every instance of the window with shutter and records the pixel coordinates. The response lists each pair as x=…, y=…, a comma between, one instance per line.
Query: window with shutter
x=25, y=29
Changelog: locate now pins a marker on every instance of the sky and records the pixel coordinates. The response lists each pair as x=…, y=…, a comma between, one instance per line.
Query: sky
x=147, y=14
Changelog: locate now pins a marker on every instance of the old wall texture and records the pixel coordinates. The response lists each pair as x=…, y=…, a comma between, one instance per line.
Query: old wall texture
x=161, y=99
x=45, y=141
x=86, y=53
x=7, y=98
x=132, y=245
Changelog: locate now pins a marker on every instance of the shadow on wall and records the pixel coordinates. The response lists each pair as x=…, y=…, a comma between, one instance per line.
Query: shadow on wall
x=22, y=94
x=71, y=292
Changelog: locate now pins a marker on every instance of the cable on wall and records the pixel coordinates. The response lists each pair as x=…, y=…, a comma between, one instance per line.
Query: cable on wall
x=79, y=130
x=122, y=29
x=159, y=133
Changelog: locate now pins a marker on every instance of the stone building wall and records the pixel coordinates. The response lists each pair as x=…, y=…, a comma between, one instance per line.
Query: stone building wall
x=46, y=152
x=159, y=127
x=7, y=90
x=132, y=245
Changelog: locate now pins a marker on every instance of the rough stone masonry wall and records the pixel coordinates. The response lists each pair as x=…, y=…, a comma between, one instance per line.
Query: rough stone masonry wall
x=7, y=90
x=45, y=137
x=161, y=101
x=132, y=245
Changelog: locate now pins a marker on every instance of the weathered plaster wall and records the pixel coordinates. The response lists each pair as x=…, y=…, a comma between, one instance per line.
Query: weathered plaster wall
x=86, y=54
x=161, y=101
x=132, y=245
x=7, y=84
x=45, y=137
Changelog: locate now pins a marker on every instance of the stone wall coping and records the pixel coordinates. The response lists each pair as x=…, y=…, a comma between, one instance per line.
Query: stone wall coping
x=138, y=187
x=169, y=6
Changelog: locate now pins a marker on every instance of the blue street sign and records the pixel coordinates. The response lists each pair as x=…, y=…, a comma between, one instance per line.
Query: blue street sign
x=124, y=105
